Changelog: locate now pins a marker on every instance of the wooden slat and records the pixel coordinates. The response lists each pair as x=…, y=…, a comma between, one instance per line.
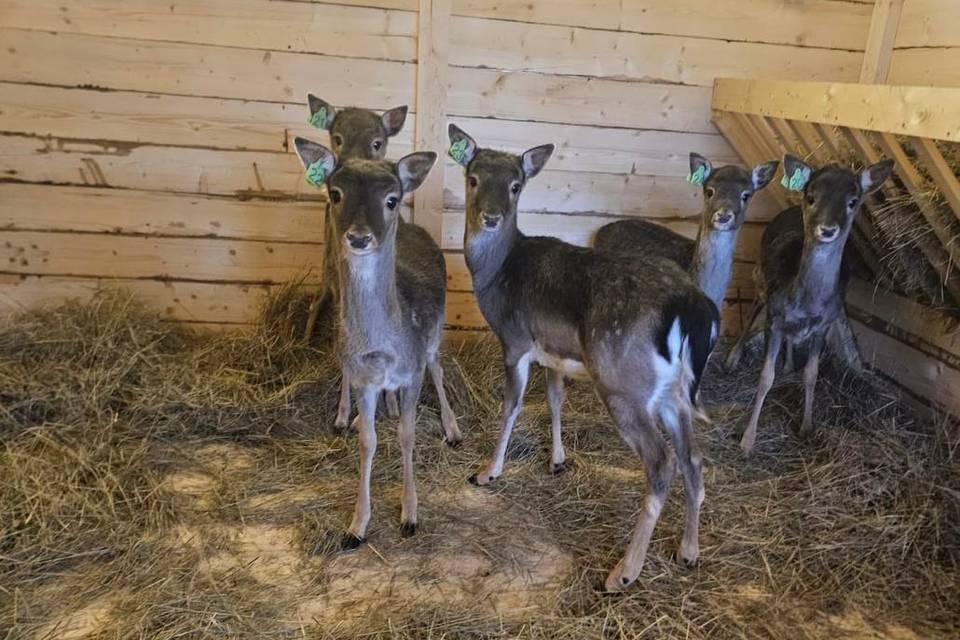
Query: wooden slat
x=928, y=23
x=902, y=110
x=731, y=127
x=811, y=140
x=934, y=67
x=765, y=152
x=197, y=70
x=91, y=210
x=183, y=258
x=940, y=171
x=883, y=31
x=519, y=46
x=250, y=24
x=403, y=5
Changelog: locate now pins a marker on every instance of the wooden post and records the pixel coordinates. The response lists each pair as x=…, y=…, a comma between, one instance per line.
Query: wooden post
x=431, y=119
x=883, y=32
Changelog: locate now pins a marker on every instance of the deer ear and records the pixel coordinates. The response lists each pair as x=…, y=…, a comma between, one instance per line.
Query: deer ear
x=321, y=112
x=763, y=174
x=317, y=160
x=535, y=159
x=462, y=147
x=873, y=176
x=413, y=169
x=700, y=169
x=393, y=120
x=796, y=173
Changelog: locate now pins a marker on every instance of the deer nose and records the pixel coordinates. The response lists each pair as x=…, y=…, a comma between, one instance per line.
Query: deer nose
x=358, y=239
x=491, y=220
x=723, y=217
x=827, y=232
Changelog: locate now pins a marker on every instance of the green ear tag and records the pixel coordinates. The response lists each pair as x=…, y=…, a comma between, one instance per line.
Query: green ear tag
x=797, y=181
x=698, y=176
x=319, y=119
x=316, y=174
x=458, y=150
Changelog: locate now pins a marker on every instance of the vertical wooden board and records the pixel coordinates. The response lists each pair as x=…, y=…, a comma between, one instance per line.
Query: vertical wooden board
x=883, y=31
x=431, y=130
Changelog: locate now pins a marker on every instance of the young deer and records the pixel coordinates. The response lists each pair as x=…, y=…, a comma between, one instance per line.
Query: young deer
x=392, y=295
x=637, y=327
x=727, y=193
x=799, y=278
x=354, y=133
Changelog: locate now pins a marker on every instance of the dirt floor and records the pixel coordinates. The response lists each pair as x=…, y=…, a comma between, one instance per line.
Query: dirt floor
x=159, y=484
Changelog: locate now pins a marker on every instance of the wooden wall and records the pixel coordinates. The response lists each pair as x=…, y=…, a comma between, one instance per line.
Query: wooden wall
x=927, y=47
x=148, y=143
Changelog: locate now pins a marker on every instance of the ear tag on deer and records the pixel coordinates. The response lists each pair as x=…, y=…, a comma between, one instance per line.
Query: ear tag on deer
x=319, y=119
x=458, y=151
x=699, y=176
x=316, y=174
x=797, y=181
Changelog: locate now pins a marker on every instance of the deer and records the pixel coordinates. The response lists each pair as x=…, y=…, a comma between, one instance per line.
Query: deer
x=354, y=133
x=637, y=327
x=799, y=279
x=392, y=290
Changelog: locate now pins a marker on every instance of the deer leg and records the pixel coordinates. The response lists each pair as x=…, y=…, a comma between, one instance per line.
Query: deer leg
x=390, y=402
x=343, y=407
x=680, y=426
x=810, y=382
x=555, y=395
x=315, y=305
x=844, y=342
x=774, y=338
x=366, y=430
x=513, y=389
x=788, y=364
x=736, y=351
x=448, y=418
x=640, y=432
x=406, y=433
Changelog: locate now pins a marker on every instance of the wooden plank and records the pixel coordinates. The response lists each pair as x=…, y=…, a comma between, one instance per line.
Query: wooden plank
x=249, y=24
x=520, y=46
x=179, y=258
x=901, y=110
x=92, y=210
x=941, y=172
x=431, y=129
x=883, y=31
x=814, y=146
x=812, y=23
x=928, y=23
x=403, y=5
x=936, y=67
x=191, y=301
x=766, y=152
x=188, y=69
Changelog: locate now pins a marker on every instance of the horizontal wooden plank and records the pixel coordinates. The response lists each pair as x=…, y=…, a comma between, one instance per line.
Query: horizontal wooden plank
x=405, y=5
x=254, y=24
x=190, y=301
x=198, y=70
x=928, y=23
x=814, y=23
x=49, y=208
x=180, y=258
x=902, y=110
x=519, y=46
x=938, y=67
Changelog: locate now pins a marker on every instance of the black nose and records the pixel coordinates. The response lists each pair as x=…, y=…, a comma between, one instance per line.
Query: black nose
x=490, y=220
x=359, y=241
x=725, y=218
x=828, y=232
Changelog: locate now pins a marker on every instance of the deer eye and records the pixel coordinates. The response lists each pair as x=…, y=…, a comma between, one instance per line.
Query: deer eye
x=852, y=203
x=745, y=196
x=710, y=192
x=515, y=188
x=377, y=144
x=337, y=139
x=392, y=202
x=335, y=196
x=810, y=200
x=473, y=181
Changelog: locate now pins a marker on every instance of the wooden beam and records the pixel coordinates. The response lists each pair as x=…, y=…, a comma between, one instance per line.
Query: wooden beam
x=940, y=171
x=431, y=123
x=813, y=143
x=930, y=112
x=738, y=133
x=883, y=32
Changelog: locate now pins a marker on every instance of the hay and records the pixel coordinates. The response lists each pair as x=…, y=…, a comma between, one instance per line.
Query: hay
x=163, y=484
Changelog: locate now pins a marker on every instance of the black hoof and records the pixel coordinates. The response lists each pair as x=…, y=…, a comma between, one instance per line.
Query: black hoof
x=557, y=469
x=473, y=480
x=453, y=444
x=350, y=542
x=687, y=563
x=408, y=529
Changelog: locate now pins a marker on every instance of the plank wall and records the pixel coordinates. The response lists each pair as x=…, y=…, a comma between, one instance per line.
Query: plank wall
x=927, y=46
x=149, y=144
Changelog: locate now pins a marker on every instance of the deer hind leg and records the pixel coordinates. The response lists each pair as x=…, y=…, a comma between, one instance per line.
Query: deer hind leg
x=366, y=430
x=810, y=372
x=555, y=394
x=514, y=387
x=406, y=433
x=448, y=418
x=679, y=425
x=343, y=407
x=843, y=342
x=736, y=351
x=391, y=404
x=638, y=428
x=774, y=338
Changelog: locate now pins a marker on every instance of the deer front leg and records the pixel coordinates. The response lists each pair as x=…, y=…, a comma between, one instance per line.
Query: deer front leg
x=844, y=342
x=514, y=387
x=366, y=430
x=343, y=407
x=448, y=418
x=810, y=382
x=773, y=339
x=555, y=393
x=406, y=432
x=392, y=406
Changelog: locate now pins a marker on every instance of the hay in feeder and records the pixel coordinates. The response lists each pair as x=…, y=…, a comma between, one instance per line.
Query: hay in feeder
x=163, y=484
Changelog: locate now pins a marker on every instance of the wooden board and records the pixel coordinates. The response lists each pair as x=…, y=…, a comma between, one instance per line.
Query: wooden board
x=249, y=24
x=929, y=23
x=902, y=110
x=883, y=30
x=937, y=67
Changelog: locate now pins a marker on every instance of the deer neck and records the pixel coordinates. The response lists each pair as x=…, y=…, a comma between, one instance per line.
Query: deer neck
x=712, y=264
x=369, y=305
x=819, y=270
x=486, y=252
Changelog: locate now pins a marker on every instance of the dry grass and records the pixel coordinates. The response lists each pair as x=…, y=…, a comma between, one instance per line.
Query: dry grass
x=159, y=484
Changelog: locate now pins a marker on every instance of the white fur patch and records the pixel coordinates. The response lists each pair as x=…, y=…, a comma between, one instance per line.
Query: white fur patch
x=567, y=366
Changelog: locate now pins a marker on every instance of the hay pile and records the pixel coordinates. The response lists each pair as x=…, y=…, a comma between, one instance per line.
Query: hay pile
x=159, y=484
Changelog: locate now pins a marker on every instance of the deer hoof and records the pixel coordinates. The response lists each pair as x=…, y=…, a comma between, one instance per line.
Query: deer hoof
x=687, y=562
x=475, y=480
x=617, y=580
x=557, y=468
x=350, y=542
x=453, y=443
x=408, y=529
